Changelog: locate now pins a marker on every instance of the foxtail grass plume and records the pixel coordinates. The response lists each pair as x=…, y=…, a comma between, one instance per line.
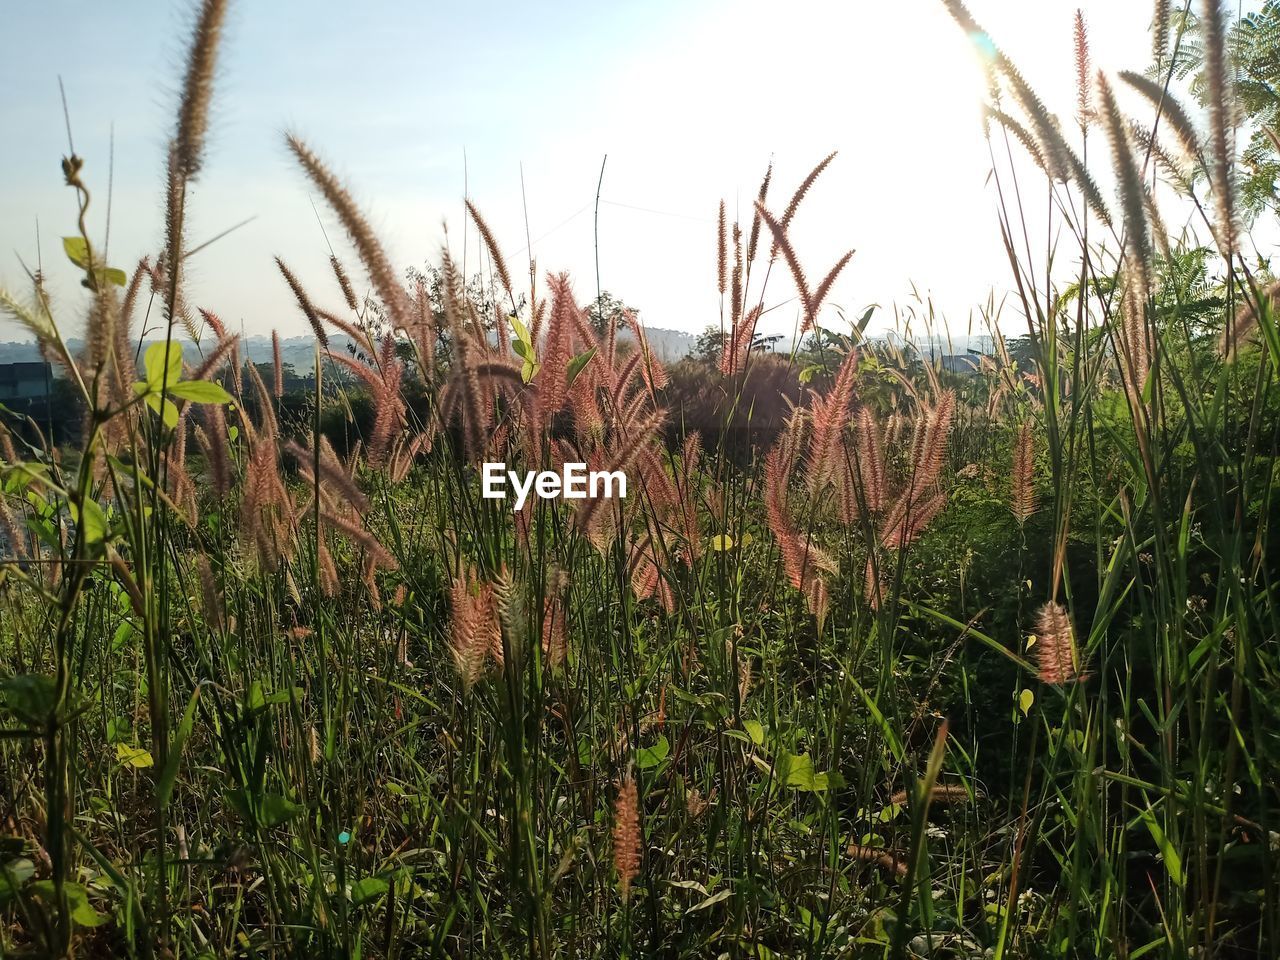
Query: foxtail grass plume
x=753, y=238
x=1160, y=31
x=735, y=287
x=358, y=230
x=830, y=417
x=722, y=247
x=495, y=253
x=801, y=191
x=1055, y=647
x=1022, y=493
x=474, y=630
x=304, y=303
x=626, y=835
x=344, y=283
x=1084, y=110
x=197, y=88
x=869, y=462
x=277, y=366
x=802, y=560
x=1173, y=115
x=1132, y=191
x=1245, y=323
x=810, y=299
x=1221, y=168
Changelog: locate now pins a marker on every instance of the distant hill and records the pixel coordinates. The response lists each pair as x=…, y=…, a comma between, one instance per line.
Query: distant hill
x=667, y=345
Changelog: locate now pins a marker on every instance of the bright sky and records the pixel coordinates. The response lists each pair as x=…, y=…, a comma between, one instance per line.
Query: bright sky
x=688, y=99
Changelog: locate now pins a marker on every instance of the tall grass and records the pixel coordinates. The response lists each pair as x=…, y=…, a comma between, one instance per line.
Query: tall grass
x=918, y=665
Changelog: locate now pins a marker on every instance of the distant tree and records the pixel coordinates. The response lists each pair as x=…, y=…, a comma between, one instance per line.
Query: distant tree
x=1252, y=44
x=707, y=348
x=606, y=309
x=709, y=344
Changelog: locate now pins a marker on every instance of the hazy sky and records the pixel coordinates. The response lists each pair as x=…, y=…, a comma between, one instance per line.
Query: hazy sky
x=688, y=99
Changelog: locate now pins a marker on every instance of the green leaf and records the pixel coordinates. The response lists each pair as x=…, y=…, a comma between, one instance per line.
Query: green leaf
x=77, y=251
x=114, y=275
x=164, y=786
x=796, y=771
x=163, y=366
x=200, y=391
x=576, y=365
x=273, y=808
x=82, y=911
x=29, y=696
x=95, y=521
x=647, y=757
x=168, y=412
x=259, y=700
x=755, y=729
x=277, y=809
x=521, y=331
x=807, y=373
x=890, y=738
x=369, y=889
x=1025, y=700
x=13, y=875
x=710, y=901
x=721, y=542
x=133, y=756
x=522, y=349
x=1168, y=852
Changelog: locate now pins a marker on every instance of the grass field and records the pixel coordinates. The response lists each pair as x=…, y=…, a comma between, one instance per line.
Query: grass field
x=875, y=659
